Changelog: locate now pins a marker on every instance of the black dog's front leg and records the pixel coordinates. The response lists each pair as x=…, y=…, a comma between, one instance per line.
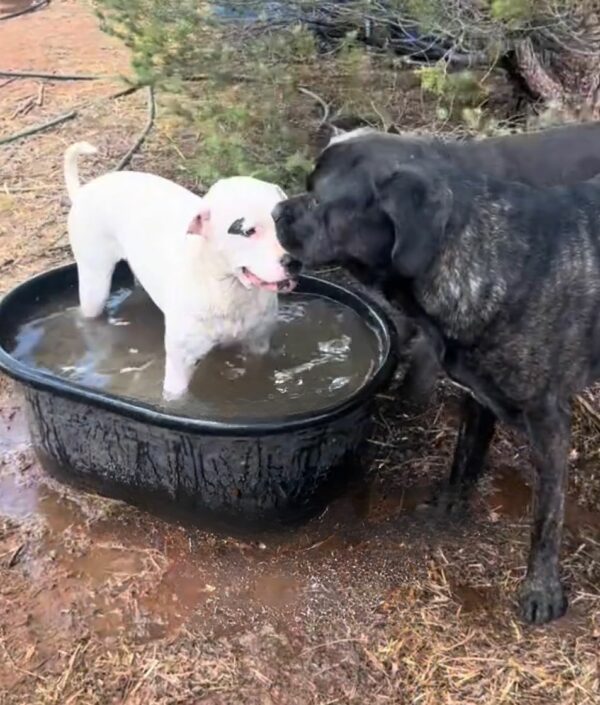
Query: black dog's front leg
x=423, y=371
x=542, y=596
x=475, y=434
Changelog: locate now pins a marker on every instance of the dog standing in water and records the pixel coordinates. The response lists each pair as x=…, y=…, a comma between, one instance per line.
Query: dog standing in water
x=212, y=265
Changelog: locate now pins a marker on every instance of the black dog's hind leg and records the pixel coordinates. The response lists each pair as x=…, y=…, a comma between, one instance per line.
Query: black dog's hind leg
x=542, y=596
x=475, y=434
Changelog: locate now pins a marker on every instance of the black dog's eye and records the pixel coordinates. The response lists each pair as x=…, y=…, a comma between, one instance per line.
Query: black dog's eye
x=249, y=232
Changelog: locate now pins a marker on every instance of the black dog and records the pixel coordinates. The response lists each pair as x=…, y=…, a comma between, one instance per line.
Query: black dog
x=504, y=279
x=555, y=157
x=560, y=156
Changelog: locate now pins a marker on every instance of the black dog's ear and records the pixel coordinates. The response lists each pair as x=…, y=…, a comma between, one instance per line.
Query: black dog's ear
x=419, y=206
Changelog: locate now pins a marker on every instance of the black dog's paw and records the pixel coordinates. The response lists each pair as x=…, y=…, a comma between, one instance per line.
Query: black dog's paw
x=542, y=601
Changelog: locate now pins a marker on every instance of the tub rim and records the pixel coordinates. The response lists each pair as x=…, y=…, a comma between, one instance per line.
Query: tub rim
x=146, y=413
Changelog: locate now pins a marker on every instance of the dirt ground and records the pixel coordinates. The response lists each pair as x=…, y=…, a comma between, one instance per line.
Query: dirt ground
x=374, y=602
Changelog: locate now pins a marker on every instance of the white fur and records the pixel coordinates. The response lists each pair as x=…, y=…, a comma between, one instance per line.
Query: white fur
x=70, y=163
x=341, y=136
x=358, y=132
x=199, y=281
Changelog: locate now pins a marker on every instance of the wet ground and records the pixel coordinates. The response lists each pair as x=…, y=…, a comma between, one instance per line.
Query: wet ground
x=98, y=572
x=101, y=547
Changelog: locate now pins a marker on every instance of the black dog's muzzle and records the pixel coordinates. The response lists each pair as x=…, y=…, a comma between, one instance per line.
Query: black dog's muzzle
x=292, y=266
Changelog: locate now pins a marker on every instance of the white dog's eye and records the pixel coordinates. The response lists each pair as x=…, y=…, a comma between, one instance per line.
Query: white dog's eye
x=237, y=228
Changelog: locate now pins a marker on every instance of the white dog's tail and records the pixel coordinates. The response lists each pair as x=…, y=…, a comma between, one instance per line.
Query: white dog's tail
x=71, y=171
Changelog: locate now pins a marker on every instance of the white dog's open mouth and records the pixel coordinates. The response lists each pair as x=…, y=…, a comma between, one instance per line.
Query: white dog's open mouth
x=283, y=286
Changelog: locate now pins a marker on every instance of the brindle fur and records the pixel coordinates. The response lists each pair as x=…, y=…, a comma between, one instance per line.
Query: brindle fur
x=504, y=279
x=553, y=157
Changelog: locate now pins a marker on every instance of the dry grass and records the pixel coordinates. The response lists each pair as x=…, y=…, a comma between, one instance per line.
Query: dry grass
x=385, y=604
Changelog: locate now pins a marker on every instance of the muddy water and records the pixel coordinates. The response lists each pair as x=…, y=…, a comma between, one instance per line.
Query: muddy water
x=321, y=353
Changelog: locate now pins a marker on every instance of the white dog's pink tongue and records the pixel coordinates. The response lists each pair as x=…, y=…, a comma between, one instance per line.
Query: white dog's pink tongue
x=257, y=281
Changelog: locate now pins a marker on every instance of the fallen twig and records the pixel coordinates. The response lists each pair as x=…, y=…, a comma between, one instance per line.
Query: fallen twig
x=16, y=556
x=320, y=101
x=588, y=408
x=64, y=679
x=39, y=128
x=148, y=126
x=9, y=190
x=18, y=668
x=221, y=77
x=8, y=81
x=67, y=116
x=123, y=92
x=53, y=76
x=24, y=107
x=32, y=8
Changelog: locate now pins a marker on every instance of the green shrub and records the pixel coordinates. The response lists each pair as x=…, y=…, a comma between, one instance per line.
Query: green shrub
x=236, y=89
x=512, y=11
x=454, y=90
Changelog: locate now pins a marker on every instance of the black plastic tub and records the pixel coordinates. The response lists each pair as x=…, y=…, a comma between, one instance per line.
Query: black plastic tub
x=258, y=474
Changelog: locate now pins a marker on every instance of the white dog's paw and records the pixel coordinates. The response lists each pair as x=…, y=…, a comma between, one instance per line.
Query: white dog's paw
x=176, y=382
x=172, y=395
x=259, y=346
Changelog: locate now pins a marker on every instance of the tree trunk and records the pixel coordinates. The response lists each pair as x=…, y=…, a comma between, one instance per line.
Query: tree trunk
x=562, y=66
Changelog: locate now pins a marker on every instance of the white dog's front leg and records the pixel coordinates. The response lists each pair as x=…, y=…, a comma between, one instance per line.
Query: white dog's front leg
x=259, y=344
x=183, y=350
x=178, y=373
x=258, y=340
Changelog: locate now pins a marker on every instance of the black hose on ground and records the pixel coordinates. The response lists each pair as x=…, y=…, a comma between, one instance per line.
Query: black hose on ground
x=32, y=8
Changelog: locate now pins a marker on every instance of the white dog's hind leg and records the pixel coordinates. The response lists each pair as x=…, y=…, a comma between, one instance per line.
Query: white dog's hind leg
x=96, y=254
x=94, y=287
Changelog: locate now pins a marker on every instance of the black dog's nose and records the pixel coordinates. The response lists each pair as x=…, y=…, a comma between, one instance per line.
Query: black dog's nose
x=292, y=266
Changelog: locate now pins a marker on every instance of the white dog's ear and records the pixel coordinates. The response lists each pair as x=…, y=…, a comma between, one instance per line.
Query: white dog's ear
x=197, y=225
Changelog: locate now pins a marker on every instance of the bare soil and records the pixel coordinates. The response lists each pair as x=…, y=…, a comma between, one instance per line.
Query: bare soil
x=376, y=601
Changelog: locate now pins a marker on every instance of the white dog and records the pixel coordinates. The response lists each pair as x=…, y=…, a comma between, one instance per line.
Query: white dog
x=213, y=265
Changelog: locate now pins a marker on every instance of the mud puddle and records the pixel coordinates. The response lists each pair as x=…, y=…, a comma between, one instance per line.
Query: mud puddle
x=96, y=562
x=511, y=497
x=122, y=571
